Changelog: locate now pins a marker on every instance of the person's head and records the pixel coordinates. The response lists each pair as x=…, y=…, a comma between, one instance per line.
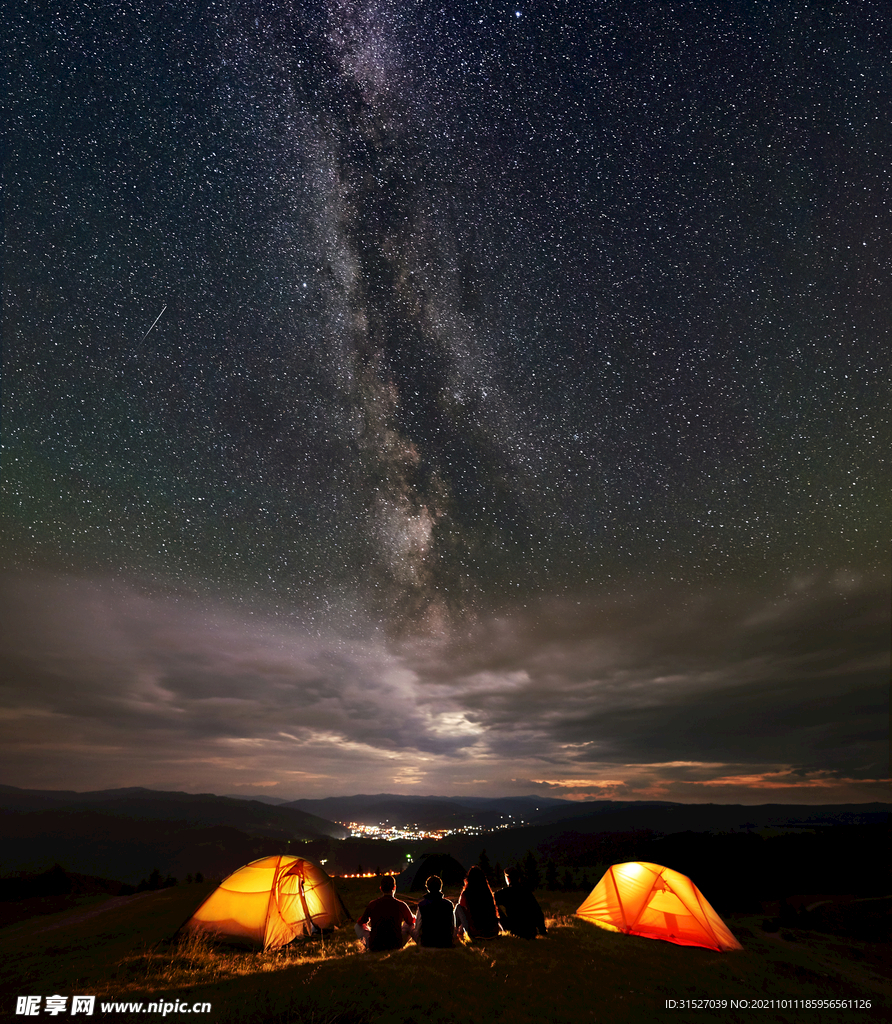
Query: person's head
x=388, y=884
x=513, y=876
x=434, y=884
x=475, y=880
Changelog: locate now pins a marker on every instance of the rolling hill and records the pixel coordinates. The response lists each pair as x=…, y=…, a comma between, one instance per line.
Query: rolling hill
x=433, y=812
x=207, y=809
x=124, y=834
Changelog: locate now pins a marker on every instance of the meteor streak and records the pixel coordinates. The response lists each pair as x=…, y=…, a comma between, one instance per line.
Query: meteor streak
x=149, y=331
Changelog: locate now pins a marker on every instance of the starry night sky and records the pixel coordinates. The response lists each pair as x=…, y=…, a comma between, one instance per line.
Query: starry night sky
x=448, y=398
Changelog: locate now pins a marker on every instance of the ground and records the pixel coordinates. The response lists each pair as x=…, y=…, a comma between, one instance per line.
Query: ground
x=121, y=949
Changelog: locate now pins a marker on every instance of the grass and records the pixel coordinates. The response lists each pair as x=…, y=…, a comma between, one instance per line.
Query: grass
x=122, y=949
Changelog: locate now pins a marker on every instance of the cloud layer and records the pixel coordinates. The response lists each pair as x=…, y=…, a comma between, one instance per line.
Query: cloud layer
x=720, y=696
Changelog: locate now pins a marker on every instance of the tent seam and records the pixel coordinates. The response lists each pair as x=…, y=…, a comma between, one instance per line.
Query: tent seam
x=646, y=902
x=303, y=898
x=272, y=895
x=619, y=898
x=715, y=937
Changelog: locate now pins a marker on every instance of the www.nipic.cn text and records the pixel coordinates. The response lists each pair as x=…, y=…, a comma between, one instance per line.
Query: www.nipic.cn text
x=55, y=1006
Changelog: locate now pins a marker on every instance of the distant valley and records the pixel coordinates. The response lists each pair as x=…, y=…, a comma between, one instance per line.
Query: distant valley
x=125, y=834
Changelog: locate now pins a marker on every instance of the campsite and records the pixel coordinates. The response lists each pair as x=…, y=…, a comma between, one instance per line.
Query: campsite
x=263, y=931
x=123, y=951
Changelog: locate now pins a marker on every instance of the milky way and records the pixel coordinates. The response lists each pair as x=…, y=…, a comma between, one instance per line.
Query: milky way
x=401, y=394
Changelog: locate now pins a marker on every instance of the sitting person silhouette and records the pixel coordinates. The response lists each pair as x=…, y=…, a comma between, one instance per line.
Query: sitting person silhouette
x=476, y=910
x=519, y=911
x=435, y=920
x=386, y=922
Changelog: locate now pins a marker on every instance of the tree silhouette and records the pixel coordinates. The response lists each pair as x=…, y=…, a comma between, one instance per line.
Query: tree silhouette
x=531, y=870
x=486, y=867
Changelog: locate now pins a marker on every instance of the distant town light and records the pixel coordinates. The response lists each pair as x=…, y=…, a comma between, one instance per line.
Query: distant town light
x=383, y=830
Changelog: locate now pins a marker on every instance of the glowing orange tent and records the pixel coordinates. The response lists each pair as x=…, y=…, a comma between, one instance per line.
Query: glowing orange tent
x=269, y=902
x=646, y=899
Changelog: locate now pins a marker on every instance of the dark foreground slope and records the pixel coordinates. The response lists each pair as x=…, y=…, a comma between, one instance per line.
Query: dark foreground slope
x=121, y=951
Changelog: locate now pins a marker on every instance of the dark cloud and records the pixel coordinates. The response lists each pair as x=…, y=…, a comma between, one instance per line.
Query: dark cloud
x=673, y=690
x=722, y=676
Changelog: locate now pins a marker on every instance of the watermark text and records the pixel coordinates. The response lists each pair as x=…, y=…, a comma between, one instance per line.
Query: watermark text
x=72, y=1006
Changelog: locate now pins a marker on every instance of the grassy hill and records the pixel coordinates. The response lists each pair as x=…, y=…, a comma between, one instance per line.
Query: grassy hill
x=121, y=949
